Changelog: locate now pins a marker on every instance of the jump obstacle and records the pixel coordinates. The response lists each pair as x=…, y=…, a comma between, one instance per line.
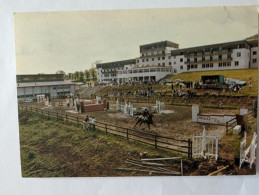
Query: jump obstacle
x=248, y=155
x=129, y=110
x=205, y=145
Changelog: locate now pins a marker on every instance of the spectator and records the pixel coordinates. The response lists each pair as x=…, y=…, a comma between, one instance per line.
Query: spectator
x=85, y=123
x=93, y=123
x=107, y=105
x=90, y=123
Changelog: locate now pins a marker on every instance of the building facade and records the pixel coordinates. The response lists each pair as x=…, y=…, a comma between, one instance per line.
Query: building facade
x=160, y=59
x=50, y=85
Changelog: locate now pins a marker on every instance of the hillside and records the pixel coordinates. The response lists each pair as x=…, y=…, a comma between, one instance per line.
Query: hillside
x=243, y=75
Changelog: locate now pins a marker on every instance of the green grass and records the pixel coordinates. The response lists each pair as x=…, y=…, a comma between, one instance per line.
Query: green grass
x=243, y=75
x=51, y=148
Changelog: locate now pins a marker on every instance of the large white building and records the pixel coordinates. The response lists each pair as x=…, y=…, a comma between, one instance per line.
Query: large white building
x=160, y=59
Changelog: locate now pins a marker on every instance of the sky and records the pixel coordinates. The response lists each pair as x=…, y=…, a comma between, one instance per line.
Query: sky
x=73, y=41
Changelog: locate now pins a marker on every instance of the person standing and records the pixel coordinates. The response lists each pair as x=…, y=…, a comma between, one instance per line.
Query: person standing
x=85, y=123
x=90, y=123
x=93, y=123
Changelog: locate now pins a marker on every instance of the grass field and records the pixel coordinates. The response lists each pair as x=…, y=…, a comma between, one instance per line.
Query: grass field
x=51, y=148
x=243, y=75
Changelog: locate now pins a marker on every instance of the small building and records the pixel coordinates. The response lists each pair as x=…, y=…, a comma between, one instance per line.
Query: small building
x=50, y=85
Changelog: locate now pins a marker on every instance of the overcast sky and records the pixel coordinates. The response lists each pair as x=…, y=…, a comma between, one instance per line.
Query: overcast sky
x=72, y=41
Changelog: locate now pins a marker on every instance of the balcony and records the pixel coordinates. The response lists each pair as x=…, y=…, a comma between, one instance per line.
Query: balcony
x=153, y=55
x=208, y=60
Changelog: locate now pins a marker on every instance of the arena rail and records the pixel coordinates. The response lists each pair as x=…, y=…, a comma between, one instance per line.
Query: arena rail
x=174, y=144
x=230, y=125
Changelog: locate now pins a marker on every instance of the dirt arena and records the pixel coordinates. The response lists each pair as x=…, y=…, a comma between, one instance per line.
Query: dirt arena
x=176, y=122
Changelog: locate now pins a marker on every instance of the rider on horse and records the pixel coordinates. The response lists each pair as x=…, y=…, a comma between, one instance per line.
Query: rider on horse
x=145, y=114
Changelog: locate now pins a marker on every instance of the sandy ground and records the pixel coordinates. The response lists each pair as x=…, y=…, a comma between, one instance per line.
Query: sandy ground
x=176, y=122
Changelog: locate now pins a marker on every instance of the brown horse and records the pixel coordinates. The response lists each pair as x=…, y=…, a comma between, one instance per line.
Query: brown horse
x=148, y=120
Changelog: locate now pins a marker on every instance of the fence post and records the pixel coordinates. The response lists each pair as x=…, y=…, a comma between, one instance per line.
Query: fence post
x=227, y=127
x=204, y=142
x=127, y=134
x=217, y=141
x=66, y=117
x=155, y=142
x=189, y=149
x=106, y=128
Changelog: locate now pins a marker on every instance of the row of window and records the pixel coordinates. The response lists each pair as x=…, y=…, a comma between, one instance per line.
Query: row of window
x=145, y=70
x=225, y=64
x=153, y=53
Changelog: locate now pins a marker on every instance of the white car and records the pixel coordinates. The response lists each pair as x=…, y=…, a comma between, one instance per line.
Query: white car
x=27, y=100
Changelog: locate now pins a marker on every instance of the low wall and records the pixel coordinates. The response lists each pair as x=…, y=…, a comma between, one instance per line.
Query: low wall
x=218, y=119
x=93, y=107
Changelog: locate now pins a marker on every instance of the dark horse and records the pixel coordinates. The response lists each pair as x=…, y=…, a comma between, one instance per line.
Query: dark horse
x=148, y=120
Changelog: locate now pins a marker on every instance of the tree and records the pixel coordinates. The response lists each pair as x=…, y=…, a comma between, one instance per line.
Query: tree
x=81, y=76
x=93, y=73
x=76, y=76
x=87, y=75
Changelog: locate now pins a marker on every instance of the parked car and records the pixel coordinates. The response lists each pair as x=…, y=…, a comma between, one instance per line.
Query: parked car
x=27, y=100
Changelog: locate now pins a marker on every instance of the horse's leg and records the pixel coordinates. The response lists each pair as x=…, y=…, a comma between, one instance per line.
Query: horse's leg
x=136, y=123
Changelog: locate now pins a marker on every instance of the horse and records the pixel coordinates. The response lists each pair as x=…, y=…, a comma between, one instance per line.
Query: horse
x=148, y=120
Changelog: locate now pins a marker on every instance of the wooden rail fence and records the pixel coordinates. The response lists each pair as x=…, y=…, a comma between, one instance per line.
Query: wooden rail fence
x=174, y=144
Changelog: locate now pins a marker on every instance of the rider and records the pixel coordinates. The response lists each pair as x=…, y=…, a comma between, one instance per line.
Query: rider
x=145, y=113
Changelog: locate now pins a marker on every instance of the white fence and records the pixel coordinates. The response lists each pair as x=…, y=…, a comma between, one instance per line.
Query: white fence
x=128, y=109
x=205, y=145
x=248, y=155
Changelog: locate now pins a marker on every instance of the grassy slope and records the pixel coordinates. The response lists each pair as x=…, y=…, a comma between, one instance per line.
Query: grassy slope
x=54, y=149
x=243, y=75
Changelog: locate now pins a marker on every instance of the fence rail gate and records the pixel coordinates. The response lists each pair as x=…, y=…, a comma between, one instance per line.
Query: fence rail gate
x=248, y=155
x=205, y=145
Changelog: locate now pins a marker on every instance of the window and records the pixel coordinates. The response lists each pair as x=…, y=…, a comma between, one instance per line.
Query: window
x=224, y=64
x=174, y=62
x=238, y=54
x=210, y=58
x=153, y=59
x=188, y=67
x=142, y=55
x=170, y=63
x=254, y=52
x=181, y=59
x=220, y=64
x=163, y=58
x=142, y=60
x=137, y=60
x=211, y=65
x=220, y=56
x=254, y=60
x=203, y=65
x=169, y=57
x=163, y=51
x=158, y=58
x=236, y=63
x=207, y=65
x=181, y=67
x=163, y=64
x=146, y=60
x=158, y=64
x=203, y=58
x=228, y=64
x=158, y=69
x=146, y=70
